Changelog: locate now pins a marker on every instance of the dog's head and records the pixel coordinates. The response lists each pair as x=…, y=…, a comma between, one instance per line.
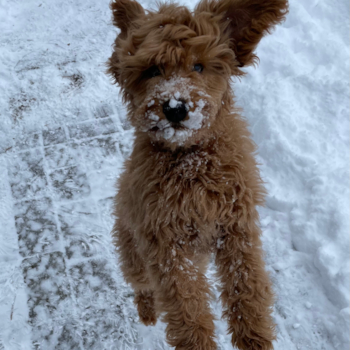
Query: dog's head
x=174, y=66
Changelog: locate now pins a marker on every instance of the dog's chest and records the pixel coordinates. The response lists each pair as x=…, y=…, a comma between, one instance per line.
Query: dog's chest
x=189, y=192
x=189, y=167
x=184, y=171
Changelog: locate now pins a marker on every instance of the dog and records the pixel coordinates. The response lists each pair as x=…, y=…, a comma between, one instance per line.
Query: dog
x=191, y=187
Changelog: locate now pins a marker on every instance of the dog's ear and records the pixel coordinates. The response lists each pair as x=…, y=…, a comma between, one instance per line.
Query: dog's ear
x=125, y=12
x=246, y=22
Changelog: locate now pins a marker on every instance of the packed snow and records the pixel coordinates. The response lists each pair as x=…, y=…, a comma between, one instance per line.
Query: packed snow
x=64, y=137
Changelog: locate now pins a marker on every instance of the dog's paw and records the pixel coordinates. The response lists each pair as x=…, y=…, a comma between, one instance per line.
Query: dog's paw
x=195, y=337
x=148, y=317
x=145, y=307
x=203, y=344
x=246, y=343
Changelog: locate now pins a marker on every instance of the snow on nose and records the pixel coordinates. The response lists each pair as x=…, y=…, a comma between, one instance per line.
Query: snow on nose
x=175, y=111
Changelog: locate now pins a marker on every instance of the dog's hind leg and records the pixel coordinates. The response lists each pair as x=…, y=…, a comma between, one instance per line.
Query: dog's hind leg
x=135, y=273
x=246, y=289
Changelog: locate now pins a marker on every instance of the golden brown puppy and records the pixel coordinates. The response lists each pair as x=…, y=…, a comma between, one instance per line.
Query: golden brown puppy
x=191, y=185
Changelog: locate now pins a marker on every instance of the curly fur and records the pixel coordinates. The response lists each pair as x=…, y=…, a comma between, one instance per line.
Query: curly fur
x=194, y=193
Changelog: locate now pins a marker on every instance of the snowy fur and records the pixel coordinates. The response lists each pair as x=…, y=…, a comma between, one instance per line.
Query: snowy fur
x=169, y=90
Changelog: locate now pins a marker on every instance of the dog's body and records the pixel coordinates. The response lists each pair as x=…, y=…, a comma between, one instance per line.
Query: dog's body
x=191, y=185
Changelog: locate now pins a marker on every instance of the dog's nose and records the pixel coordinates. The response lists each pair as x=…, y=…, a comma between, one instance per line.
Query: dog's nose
x=174, y=111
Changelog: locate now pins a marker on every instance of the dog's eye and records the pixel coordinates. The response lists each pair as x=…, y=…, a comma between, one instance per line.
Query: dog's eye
x=153, y=72
x=198, y=68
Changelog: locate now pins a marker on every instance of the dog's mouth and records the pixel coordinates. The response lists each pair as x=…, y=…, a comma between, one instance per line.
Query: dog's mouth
x=154, y=129
x=181, y=132
x=170, y=125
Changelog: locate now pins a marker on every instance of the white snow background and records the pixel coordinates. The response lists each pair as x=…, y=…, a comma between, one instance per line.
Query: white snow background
x=63, y=139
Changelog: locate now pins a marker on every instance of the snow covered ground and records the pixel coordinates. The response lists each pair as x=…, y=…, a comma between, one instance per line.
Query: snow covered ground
x=63, y=139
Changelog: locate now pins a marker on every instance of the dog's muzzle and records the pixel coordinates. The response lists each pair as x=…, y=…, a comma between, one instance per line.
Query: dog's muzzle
x=175, y=114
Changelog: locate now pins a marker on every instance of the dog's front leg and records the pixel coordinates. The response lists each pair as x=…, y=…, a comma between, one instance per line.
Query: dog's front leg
x=246, y=289
x=135, y=273
x=183, y=293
